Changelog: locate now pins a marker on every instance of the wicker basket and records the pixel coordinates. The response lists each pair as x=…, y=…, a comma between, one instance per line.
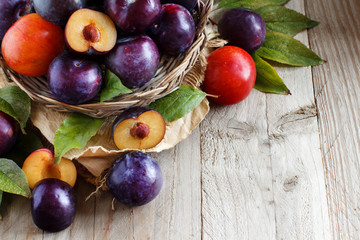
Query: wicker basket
x=168, y=77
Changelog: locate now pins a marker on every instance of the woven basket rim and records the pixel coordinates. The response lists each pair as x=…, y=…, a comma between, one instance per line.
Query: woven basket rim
x=167, y=79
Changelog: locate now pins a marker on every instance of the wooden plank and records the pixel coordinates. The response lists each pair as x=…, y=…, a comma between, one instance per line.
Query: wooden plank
x=174, y=214
x=262, y=169
x=336, y=85
x=17, y=222
x=299, y=185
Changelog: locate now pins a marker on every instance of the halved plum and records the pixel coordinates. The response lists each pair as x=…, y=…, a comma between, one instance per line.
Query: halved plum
x=90, y=32
x=138, y=128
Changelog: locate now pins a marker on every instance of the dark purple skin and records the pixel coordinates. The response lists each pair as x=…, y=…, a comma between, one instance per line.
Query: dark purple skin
x=134, y=16
x=9, y=129
x=135, y=179
x=97, y=5
x=74, y=80
x=12, y=10
x=53, y=205
x=55, y=11
x=174, y=31
x=188, y=4
x=134, y=60
x=243, y=28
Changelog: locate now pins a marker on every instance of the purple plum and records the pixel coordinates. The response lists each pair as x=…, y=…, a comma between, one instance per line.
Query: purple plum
x=12, y=10
x=174, y=31
x=74, y=80
x=243, y=28
x=55, y=11
x=188, y=4
x=134, y=60
x=9, y=129
x=134, y=16
x=53, y=205
x=135, y=179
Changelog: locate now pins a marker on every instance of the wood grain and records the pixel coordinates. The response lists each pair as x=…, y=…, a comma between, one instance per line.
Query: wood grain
x=336, y=86
x=174, y=214
x=262, y=168
x=271, y=167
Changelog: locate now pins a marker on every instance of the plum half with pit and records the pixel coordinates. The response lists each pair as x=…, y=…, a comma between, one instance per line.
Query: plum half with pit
x=12, y=10
x=90, y=32
x=135, y=179
x=134, y=16
x=53, y=205
x=243, y=28
x=9, y=129
x=138, y=128
x=74, y=80
x=134, y=60
x=174, y=31
x=55, y=11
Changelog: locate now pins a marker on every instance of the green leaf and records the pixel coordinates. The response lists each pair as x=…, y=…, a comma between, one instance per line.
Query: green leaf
x=284, y=20
x=284, y=49
x=24, y=146
x=16, y=103
x=178, y=103
x=251, y=4
x=267, y=79
x=113, y=87
x=74, y=132
x=13, y=179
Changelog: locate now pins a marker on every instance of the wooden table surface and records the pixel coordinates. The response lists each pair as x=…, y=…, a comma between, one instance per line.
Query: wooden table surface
x=271, y=167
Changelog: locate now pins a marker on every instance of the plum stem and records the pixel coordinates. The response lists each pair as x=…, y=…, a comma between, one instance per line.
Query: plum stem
x=140, y=130
x=91, y=33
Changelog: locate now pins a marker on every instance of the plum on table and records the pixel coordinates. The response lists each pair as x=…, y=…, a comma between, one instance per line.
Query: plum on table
x=135, y=179
x=53, y=205
x=188, y=4
x=40, y=165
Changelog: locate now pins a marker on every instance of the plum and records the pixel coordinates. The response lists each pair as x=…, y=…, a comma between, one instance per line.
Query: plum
x=188, y=4
x=12, y=10
x=135, y=179
x=9, y=129
x=243, y=28
x=134, y=60
x=134, y=16
x=40, y=164
x=56, y=11
x=138, y=128
x=53, y=205
x=174, y=30
x=74, y=80
x=31, y=44
x=90, y=32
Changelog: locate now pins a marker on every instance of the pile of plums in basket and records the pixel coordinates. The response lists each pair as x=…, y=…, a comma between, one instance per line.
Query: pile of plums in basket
x=71, y=41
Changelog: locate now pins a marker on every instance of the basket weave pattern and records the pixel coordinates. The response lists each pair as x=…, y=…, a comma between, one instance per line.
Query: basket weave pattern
x=168, y=78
